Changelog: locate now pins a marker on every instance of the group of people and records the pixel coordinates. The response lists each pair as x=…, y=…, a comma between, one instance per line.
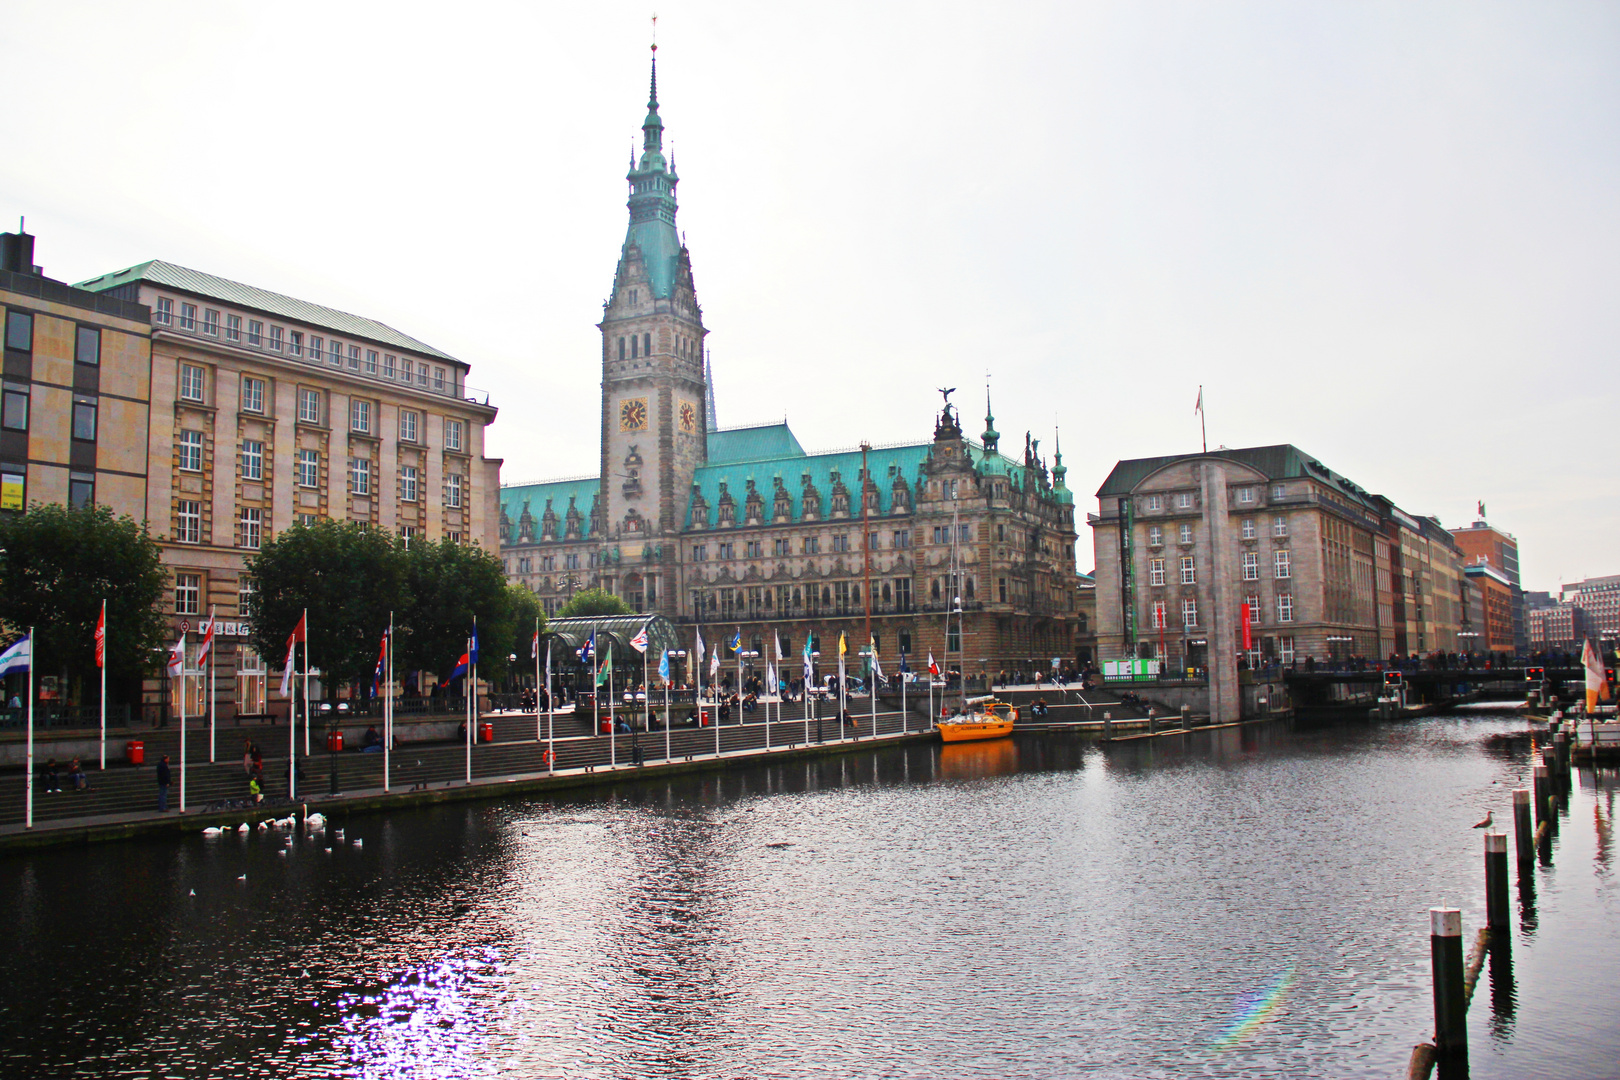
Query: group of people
x=50, y=780
x=253, y=766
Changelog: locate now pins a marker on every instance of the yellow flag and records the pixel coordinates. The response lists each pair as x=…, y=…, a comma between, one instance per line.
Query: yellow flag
x=842, y=648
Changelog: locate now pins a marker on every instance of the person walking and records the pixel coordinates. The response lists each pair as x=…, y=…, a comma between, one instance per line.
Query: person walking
x=163, y=784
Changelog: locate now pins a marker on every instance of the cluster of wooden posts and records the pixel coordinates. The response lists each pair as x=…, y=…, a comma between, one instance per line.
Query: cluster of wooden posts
x=1454, y=976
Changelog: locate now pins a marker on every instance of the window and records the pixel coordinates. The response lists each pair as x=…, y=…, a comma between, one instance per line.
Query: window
x=840, y=542
x=421, y=374
x=1251, y=566
x=1155, y=536
x=1001, y=590
x=191, y=382
x=621, y=348
x=360, y=416
x=275, y=338
x=252, y=459
x=87, y=346
x=1282, y=565
x=1159, y=622
x=252, y=527
x=965, y=533
x=812, y=545
x=1279, y=526
x=635, y=347
x=700, y=552
x=438, y=378
x=407, y=483
x=162, y=313
x=1189, y=575
x=309, y=468
x=1285, y=607
x=255, y=332
x=84, y=418
x=405, y=370
x=902, y=539
x=407, y=425
x=902, y=596
x=244, y=597
x=315, y=347
x=782, y=546
x=295, y=343
x=1155, y=571
x=188, y=316
x=309, y=406
x=1285, y=646
x=13, y=489
x=252, y=395
x=371, y=361
x=1246, y=495
x=571, y=561
x=1255, y=614
x=1248, y=528
x=233, y=328
x=389, y=361
x=453, y=535
x=306, y=519
x=360, y=476
x=1189, y=613
x=452, y=496
x=1185, y=534
x=191, y=447
x=727, y=550
x=188, y=522
x=452, y=434
x=1277, y=492
x=187, y=594
x=14, y=414
x=81, y=489
x=354, y=358
x=334, y=352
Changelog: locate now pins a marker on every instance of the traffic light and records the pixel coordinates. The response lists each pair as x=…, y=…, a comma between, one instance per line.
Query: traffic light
x=1392, y=678
x=1535, y=674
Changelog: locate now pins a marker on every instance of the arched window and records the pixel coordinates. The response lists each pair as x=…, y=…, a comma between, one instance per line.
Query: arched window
x=621, y=348
x=933, y=590
x=633, y=343
x=646, y=344
x=970, y=588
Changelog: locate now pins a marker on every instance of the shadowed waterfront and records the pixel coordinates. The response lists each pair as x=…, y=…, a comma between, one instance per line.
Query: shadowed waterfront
x=1243, y=902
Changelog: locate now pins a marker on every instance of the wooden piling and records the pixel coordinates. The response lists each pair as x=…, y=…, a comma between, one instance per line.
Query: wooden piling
x=1186, y=718
x=1496, y=881
x=1544, y=798
x=1450, y=1004
x=1561, y=756
x=1108, y=725
x=1549, y=760
x=1523, y=828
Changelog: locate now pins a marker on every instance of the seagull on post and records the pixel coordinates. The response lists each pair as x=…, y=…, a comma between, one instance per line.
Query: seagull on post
x=1486, y=823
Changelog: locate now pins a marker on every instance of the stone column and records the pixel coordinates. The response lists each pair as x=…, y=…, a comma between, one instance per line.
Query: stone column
x=1225, y=702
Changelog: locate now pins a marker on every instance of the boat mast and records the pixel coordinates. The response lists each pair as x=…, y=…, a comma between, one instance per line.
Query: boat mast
x=956, y=605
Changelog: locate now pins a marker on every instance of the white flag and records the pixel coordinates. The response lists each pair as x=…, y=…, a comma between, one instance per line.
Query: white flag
x=778, y=637
x=287, y=672
x=205, y=636
x=177, y=657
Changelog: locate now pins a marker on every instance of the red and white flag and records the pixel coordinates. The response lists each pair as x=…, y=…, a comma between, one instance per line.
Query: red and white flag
x=206, y=633
x=933, y=668
x=101, y=637
x=177, y=657
x=300, y=633
x=639, y=642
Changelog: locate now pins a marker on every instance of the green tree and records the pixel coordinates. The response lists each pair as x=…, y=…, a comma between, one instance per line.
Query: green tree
x=450, y=585
x=57, y=564
x=594, y=602
x=348, y=575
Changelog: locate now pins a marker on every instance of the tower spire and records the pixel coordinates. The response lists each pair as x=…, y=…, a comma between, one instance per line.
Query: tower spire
x=991, y=437
x=1058, y=469
x=708, y=391
x=652, y=196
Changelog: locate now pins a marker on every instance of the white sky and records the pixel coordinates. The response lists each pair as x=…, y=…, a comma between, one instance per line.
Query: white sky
x=1385, y=232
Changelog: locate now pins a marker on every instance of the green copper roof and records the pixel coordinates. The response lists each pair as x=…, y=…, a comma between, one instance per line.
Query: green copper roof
x=652, y=202
x=582, y=490
x=1282, y=462
x=197, y=283
x=753, y=444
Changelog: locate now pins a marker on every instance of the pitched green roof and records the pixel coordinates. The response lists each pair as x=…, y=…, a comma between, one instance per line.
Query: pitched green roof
x=1282, y=462
x=197, y=283
x=760, y=443
x=583, y=490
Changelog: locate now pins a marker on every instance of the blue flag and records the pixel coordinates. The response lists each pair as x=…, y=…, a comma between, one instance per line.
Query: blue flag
x=663, y=666
x=587, y=651
x=19, y=657
x=735, y=644
x=809, y=672
x=473, y=650
x=462, y=667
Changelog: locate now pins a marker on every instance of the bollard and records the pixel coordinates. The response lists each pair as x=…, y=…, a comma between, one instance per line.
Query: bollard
x=1544, y=799
x=1561, y=752
x=1549, y=760
x=1496, y=881
x=1153, y=722
x=1450, y=1007
x=1523, y=830
x=1186, y=717
x=1108, y=725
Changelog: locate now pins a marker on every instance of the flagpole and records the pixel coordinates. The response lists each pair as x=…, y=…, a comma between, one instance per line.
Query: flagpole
x=596, y=685
x=28, y=817
x=103, y=682
x=666, y=706
x=905, y=720
x=182, y=723
x=613, y=725
x=211, y=630
x=466, y=691
x=1202, y=434
x=292, y=712
x=537, y=678
x=388, y=709
x=698, y=667
x=872, y=680
x=306, y=688
x=551, y=715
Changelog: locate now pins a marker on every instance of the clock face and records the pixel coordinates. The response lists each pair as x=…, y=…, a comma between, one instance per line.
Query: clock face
x=633, y=414
x=688, y=416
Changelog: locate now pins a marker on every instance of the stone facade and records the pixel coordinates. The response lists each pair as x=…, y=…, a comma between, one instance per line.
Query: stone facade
x=1326, y=570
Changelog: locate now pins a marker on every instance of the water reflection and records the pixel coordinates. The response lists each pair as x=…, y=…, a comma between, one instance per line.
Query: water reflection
x=975, y=760
x=1504, y=995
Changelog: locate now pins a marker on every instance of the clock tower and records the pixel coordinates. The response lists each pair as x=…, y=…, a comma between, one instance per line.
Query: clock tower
x=654, y=396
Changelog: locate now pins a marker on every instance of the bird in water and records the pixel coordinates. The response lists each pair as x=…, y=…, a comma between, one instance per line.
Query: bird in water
x=1486, y=823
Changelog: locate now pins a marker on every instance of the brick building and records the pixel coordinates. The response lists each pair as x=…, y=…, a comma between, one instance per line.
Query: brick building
x=1483, y=544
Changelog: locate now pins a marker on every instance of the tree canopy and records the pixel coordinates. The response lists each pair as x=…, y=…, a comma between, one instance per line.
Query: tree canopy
x=594, y=602
x=450, y=585
x=57, y=564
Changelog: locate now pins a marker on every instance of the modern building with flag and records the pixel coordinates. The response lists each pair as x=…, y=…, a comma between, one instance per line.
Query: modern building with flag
x=743, y=527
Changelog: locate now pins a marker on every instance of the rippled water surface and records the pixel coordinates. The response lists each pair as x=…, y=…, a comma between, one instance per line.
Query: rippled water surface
x=1246, y=903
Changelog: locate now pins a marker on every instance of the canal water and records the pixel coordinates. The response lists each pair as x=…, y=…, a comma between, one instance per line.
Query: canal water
x=1248, y=903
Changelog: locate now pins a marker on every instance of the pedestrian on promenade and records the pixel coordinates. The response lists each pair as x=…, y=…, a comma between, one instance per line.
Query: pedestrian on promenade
x=255, y=792
x=247, y=757
x=163, y=784
x=258, y=762
x=76, y=776
x=47, y=777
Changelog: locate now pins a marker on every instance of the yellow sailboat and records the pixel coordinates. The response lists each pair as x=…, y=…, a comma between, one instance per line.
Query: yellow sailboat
x=984, y=718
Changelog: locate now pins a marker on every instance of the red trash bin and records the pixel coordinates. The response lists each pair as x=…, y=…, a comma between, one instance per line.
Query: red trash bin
x=135, y=752
x=486, y=732
x=703, y=718
x=334, y=741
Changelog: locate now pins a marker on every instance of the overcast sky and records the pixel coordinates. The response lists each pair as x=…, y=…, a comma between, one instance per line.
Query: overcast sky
x=1386, y=232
